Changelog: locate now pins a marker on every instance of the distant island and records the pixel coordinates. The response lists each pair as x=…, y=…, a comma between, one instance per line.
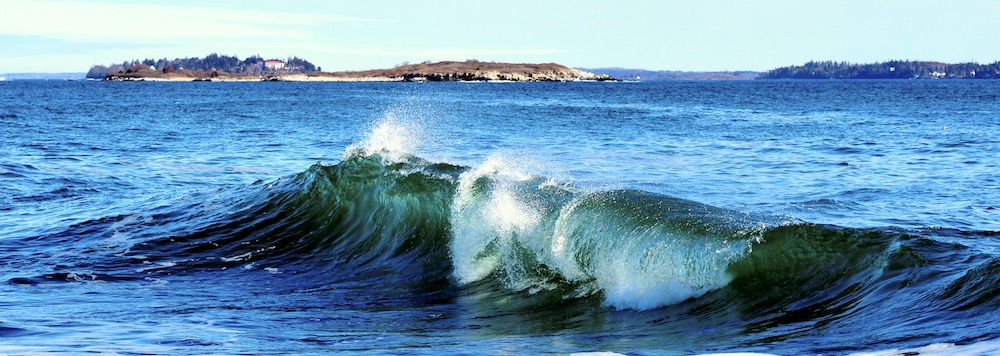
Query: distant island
x=469, y=70
x=229, y=68
x=886, y=70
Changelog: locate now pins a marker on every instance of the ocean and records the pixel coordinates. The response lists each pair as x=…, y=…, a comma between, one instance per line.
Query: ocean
x=681, y=217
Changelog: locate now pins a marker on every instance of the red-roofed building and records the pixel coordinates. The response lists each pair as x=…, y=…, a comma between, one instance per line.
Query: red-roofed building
x=274, y=65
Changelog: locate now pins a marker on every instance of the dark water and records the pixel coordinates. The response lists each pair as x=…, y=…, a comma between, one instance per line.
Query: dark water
x=831, y=217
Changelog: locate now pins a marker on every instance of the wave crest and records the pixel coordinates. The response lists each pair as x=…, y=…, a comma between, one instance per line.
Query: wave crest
x=646, y=250
x=640, y=250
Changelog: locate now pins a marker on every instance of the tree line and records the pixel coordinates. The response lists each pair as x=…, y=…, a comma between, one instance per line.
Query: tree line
x=896, y=69
x=253, y=65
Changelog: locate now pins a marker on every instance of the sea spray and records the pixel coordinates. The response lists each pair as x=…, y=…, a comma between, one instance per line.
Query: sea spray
x=391, y=137
x=500, y=219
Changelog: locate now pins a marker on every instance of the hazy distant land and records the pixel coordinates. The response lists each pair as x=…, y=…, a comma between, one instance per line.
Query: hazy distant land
x=886, y=70
x=648, y=75
x=43, y=76
x=216, y=67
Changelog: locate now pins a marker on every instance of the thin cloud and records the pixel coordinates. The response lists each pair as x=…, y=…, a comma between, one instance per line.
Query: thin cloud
x=98, y=21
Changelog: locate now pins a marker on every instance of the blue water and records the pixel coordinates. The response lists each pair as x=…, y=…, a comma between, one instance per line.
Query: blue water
x=785, y=217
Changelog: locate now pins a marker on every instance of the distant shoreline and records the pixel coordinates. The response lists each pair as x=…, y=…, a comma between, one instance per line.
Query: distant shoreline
x=474, y=70
x=471, y=70
x=44, y=76
x=893, y=70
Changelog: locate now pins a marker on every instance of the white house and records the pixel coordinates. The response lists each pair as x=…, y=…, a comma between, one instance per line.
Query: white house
x=274, y=65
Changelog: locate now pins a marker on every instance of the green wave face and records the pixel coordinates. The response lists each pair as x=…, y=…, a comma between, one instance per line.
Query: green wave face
x=645, y=250
x=639, y=250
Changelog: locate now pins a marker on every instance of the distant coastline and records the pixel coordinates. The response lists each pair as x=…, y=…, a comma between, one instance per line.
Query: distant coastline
x=43, y=76
x=232, y=69
x=633, y=74
x=293, y=69
x=896, y=69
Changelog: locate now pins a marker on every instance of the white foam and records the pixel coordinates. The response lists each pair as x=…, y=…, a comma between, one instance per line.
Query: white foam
x=151, y=267
x=508, y=215
x=639, y=294
x=989, y=347
x=491, y=218
x=498, y=166
x=241, y=257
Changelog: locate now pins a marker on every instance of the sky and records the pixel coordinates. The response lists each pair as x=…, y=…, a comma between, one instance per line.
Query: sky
x=706, y=35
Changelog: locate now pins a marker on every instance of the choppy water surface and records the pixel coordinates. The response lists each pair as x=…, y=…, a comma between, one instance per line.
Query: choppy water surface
x=830, y=217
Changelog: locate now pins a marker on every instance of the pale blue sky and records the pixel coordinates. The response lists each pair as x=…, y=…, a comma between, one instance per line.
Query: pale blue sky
x=70, y=36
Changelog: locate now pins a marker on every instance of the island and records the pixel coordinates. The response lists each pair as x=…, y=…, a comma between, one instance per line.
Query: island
x=449, y=71
x=896, y=69
x=230, y=68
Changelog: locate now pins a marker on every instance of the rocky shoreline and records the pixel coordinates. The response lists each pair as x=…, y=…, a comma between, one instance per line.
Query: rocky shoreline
x=470, y=71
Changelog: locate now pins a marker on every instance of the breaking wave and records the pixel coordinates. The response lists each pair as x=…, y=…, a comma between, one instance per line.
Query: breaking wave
x=385, y=217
